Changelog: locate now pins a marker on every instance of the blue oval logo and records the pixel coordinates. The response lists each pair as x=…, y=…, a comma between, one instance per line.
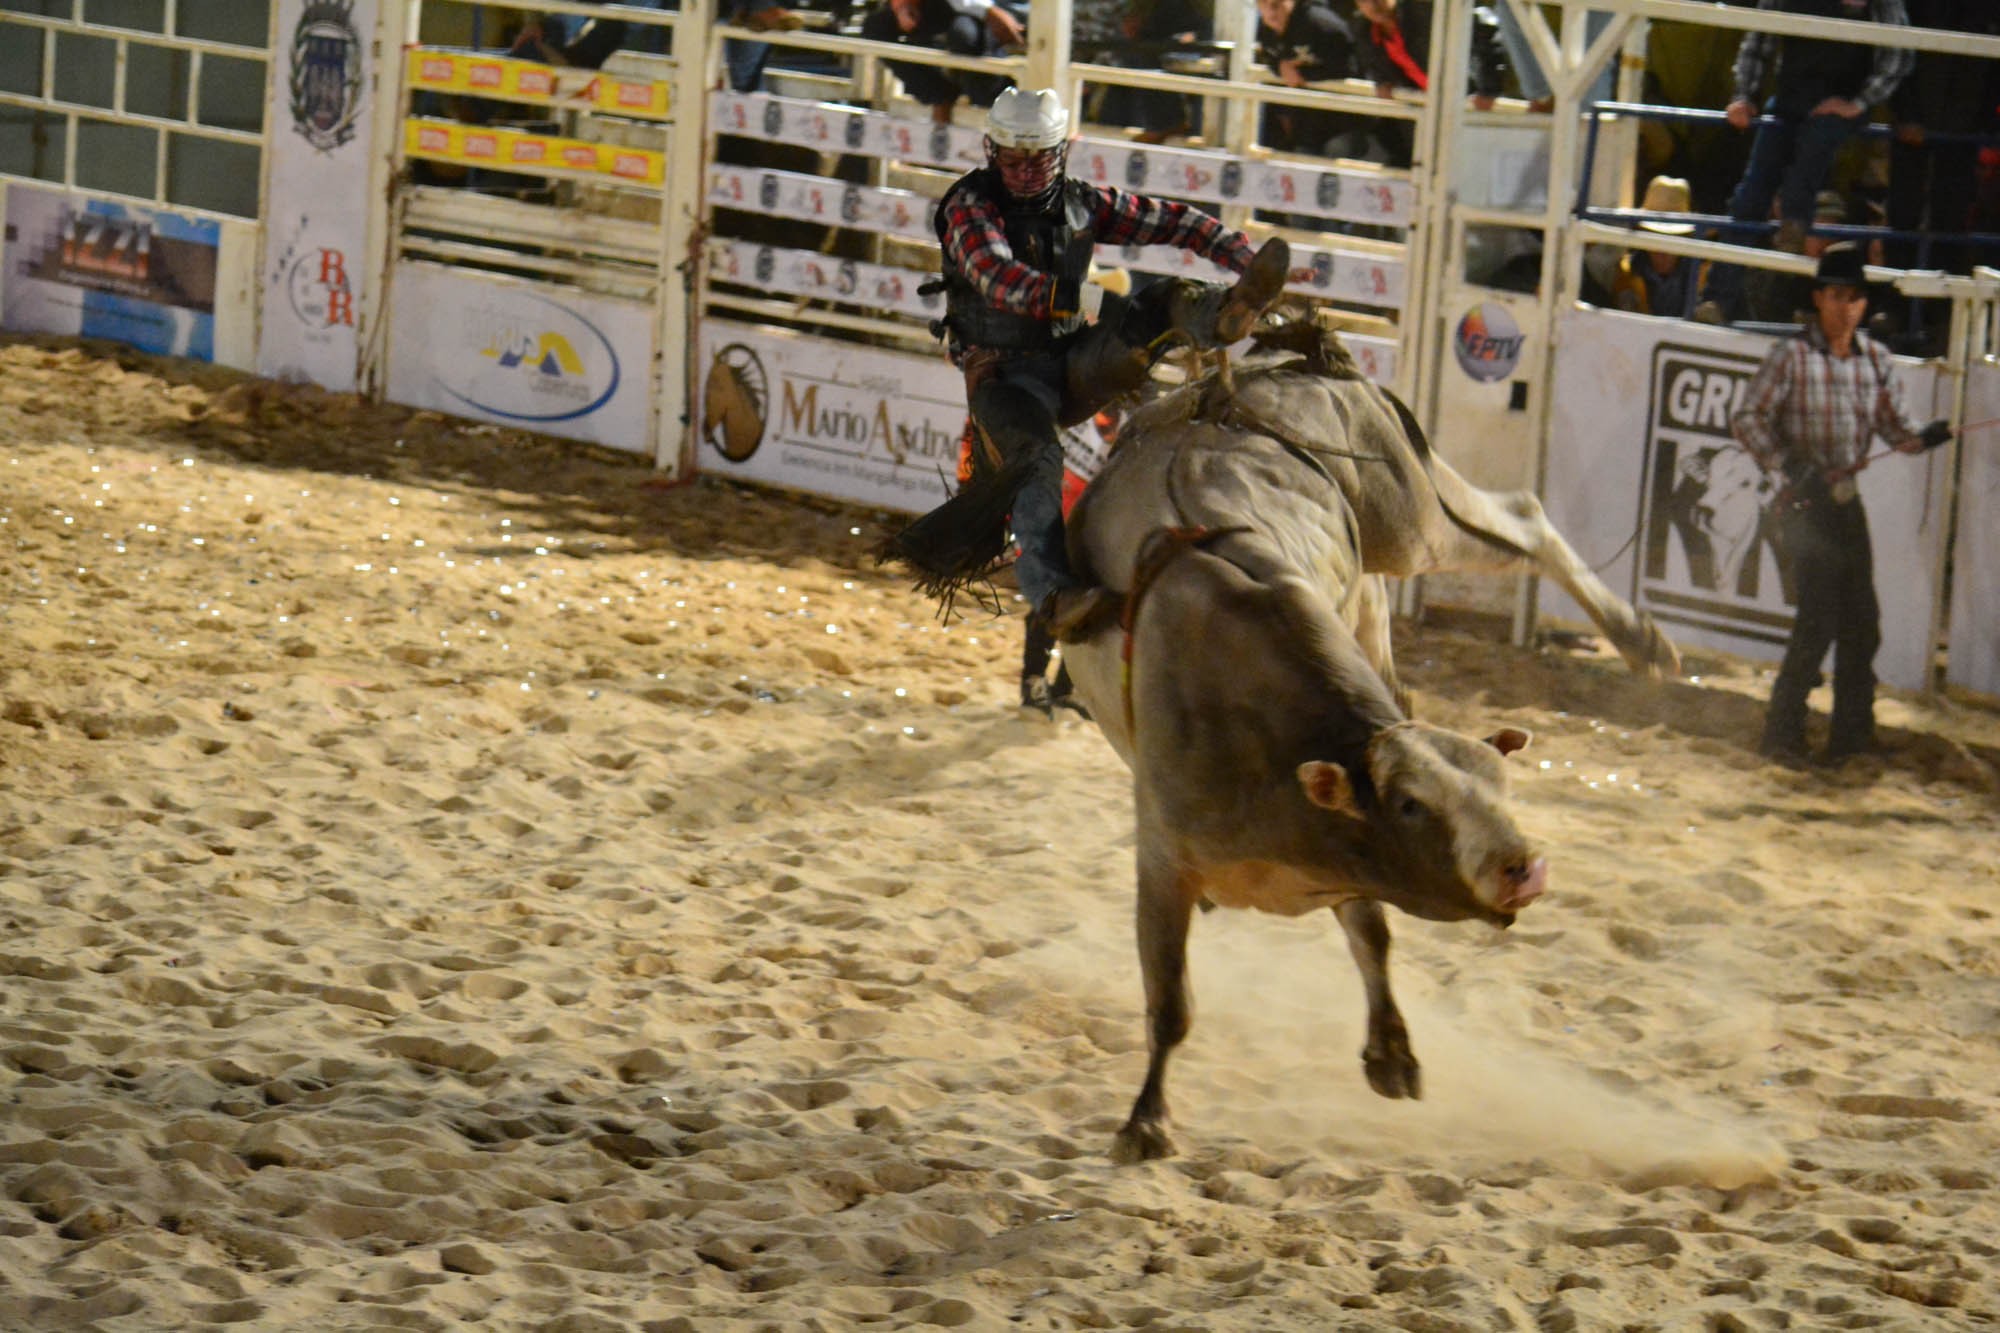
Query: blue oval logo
x=1488, y=342
x=536, y=369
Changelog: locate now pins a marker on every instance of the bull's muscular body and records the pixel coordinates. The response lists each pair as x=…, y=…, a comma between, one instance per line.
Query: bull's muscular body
x=1274, y=767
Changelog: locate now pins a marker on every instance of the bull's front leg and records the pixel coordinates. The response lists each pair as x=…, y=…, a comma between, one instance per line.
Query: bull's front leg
x=1387, y=1059
x=1166, y=903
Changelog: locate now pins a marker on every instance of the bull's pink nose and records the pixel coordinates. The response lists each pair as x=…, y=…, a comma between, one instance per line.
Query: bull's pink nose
x=1522, y=884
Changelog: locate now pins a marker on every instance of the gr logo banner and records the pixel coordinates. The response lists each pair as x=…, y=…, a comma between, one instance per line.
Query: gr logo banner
x=1708, y=538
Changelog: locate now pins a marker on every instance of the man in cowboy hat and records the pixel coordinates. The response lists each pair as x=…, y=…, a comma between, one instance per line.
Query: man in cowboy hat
x=1815, y=405
x=1659, y=282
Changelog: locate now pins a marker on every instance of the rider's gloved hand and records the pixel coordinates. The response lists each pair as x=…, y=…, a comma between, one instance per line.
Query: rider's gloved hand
x=1077, y=298
x=1935, y=434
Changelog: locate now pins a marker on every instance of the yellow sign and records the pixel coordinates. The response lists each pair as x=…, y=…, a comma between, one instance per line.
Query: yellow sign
x=544, y=154
x=527, y=81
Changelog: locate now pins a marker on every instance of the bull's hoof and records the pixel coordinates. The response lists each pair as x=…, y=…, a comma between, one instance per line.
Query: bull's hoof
x=1141, y=1141
x=1394, y=1074
x=1651, y=653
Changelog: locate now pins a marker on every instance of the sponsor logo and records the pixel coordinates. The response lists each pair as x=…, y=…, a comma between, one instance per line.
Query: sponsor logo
x=1231, y=183
x=326, y=78
x=551, y=365
x=536, y=82
x=940, y=144
x=735, y=400
x=320, y=293
x=1326, y=192
x=774, y=119
x=1488, y=342
x=856, y=131
x=1708, y=536
x=104, y=248
x=1136, y=170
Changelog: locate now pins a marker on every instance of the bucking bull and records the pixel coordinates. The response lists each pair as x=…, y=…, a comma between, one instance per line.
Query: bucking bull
x=1248, y=522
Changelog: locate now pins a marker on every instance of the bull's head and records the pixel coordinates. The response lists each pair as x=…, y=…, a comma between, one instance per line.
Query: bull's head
x=1433, y=819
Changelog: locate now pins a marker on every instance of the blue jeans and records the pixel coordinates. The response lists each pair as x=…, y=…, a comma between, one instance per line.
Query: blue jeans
x=1790, y=160
x=1534, y=83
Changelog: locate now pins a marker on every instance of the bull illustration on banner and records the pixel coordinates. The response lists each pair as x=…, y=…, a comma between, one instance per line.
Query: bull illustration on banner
x=1708, y=535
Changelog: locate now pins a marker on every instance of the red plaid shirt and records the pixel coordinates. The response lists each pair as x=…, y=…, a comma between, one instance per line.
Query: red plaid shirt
x=975, y=239
x=1808, y=405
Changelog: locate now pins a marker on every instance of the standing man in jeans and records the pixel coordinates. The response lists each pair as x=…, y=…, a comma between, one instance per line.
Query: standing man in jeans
x=1811, y=412
x=1819, y=94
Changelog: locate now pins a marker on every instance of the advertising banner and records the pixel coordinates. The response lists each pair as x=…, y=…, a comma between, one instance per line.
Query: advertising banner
x=96, y=269
x=317, y=209
x=529, y=81
x=794, y=194
x=877, y=288
x=1975, y=585
x=1203, y=175
x=539, y=358
x=854, y=423
x=1653, y=491
x=520, y=150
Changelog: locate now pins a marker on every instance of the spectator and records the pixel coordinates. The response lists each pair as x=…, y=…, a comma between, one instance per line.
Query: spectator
x=1392, y=44
x=1658, y=282
x=1302, y=42
x=1810, y=414
x=1774, y=297
x=1149, y=30
x=1931, y=184
x=1819, y=94
x=555, y=39
x=743, y=61
x=1528, y=70
x=963, y=27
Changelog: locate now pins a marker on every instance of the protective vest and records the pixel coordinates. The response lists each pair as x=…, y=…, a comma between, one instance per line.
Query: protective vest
x=1810, y=69
x=1040, y=239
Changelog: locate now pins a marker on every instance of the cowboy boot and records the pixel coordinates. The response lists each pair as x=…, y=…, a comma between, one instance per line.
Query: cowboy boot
x=1254, y=291
x=1210, y=315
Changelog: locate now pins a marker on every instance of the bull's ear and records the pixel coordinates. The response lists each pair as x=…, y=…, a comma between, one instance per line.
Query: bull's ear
x=1328, y=787
x=1509, y=739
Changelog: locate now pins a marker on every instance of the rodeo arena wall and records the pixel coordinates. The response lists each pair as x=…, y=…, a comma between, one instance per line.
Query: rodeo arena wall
x=375, y=195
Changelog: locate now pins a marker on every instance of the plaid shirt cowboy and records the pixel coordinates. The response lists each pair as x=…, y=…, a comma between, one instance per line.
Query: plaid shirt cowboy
x=1892, y=64
x=1807, y=405
x=976, y=242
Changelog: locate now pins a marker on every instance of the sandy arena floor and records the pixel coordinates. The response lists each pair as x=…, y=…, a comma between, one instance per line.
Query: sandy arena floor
x=447, y=878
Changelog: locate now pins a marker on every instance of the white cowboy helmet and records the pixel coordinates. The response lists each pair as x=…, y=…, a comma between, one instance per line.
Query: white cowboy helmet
x=1020, y=119
x=1027, y=143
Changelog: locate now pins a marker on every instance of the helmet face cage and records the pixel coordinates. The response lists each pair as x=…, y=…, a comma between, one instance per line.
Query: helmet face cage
x=1030, y=175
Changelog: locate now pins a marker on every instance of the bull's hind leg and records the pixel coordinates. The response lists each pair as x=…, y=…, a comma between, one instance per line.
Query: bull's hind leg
x=1387, y=1059
x=1500, y=532
x=1166, y=904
